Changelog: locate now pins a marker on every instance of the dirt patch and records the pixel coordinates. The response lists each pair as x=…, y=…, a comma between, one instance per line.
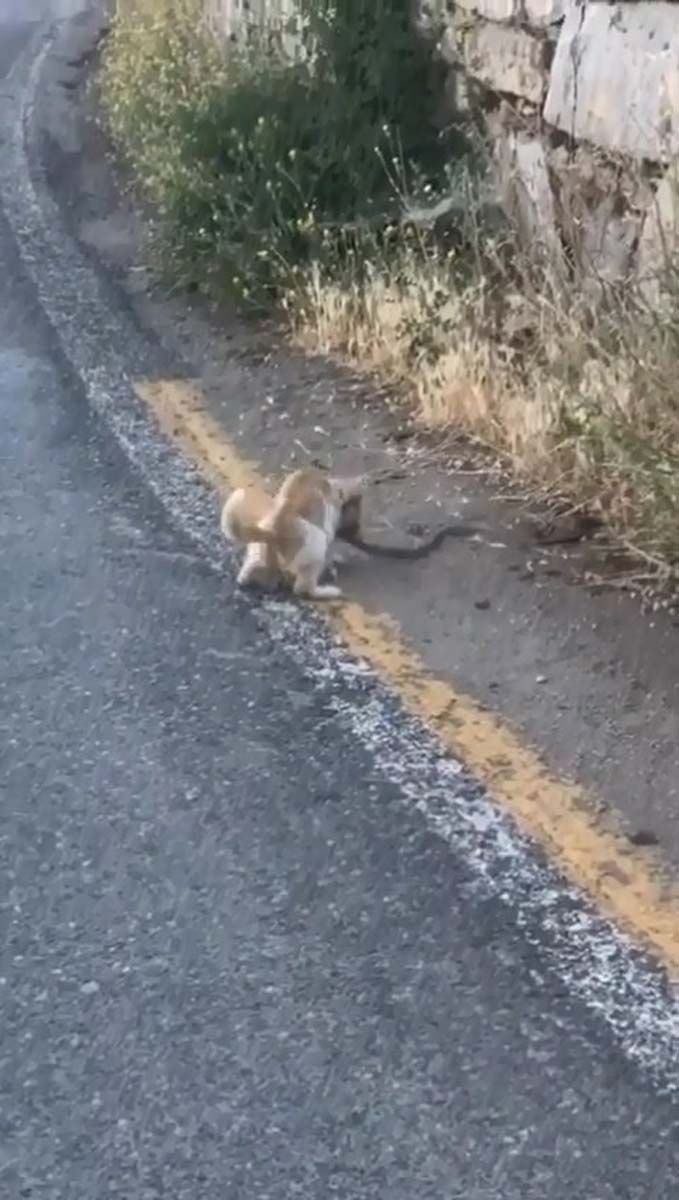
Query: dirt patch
x=590, y=680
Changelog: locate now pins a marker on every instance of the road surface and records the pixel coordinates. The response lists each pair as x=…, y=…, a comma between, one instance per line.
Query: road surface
x=233, y=962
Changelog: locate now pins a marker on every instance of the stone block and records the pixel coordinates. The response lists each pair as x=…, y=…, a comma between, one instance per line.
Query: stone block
x=658, y=251
x=506, y=60
x=537, y=13
x=599, y=207
x=526, y=191
x=607, y=244
x=546, y=12
x=493, y=10
x=614, y=81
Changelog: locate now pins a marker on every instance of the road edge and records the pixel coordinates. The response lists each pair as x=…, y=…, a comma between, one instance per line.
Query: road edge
x=115, y=360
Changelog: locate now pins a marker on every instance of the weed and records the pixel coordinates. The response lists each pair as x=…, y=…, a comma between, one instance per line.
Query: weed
x=256, y=161
x=574, y=391
x=285, y=179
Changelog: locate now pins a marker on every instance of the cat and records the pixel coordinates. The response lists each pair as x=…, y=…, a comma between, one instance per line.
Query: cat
x=292, y=535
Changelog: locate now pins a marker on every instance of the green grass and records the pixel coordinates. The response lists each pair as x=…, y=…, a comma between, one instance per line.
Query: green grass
x=256, y=164
x=281, y=183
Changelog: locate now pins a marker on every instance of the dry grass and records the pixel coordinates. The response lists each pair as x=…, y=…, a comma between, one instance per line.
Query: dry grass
x=575, y=391
x=268, y=179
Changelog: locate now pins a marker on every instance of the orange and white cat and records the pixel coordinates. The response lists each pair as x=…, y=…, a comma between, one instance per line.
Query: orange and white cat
x=293, y=534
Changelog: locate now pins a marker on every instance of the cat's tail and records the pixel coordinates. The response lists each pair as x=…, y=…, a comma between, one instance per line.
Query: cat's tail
x=239, y=525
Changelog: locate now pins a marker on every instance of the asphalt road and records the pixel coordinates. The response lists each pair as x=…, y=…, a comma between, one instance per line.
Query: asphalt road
x=233, y=963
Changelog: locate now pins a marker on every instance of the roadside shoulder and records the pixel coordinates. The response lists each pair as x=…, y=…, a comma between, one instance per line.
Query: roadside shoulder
x=588, y=679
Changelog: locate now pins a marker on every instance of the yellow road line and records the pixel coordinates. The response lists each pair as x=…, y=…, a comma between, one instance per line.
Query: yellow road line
x=626, y=883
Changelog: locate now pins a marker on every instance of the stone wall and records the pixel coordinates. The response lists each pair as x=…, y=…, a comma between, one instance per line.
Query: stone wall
x=581, y=101
x=581, y=104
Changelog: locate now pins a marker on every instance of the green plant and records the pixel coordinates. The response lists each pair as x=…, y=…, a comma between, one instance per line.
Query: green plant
x=257, y=162
x=284, y=179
